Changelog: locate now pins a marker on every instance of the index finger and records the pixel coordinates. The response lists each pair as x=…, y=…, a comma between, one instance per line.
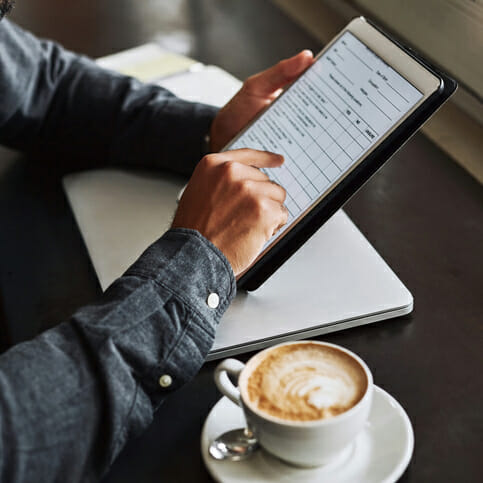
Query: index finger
x=252, y=157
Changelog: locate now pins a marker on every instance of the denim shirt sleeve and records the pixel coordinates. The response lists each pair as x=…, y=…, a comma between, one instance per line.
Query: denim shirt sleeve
x=72, y=397
x=65, y=110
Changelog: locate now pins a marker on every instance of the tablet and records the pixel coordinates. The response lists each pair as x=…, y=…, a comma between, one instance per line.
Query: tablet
x=347, y=114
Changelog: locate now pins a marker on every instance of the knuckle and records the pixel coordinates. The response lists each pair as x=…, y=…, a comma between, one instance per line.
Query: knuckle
x=278, y=190
x=261, y=208
x=281, y=190
x=245, y=187
x=208, y=161
x=229, y=169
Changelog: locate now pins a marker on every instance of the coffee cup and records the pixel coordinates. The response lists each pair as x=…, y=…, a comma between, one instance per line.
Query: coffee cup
x=305, y=401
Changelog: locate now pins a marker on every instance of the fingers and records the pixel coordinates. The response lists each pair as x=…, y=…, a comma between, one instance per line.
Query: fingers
x=279, y=227
x=275, y=192
x=249, y=172
x=249, y=187
x=271, y=190
x=272, y=79
x=278, y=217
x=250, y=157
x=244, y=172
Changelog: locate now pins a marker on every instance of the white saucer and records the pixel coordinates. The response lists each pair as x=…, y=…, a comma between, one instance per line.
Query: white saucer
x=379, y=454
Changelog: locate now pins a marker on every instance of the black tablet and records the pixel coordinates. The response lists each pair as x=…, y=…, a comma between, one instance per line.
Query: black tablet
x=336, y=125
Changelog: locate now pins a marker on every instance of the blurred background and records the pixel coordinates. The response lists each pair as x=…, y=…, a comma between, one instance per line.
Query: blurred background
x=240, y=36
x=246, y=36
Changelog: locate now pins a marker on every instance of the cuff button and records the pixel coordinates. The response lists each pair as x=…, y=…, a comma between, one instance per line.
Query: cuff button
x=213, y=300
x=165, y=380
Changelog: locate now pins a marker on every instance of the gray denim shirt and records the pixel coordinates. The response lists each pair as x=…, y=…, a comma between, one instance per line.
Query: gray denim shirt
x=72, y=397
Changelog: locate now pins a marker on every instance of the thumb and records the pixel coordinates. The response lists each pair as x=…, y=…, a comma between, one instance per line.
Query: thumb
x=272, y=79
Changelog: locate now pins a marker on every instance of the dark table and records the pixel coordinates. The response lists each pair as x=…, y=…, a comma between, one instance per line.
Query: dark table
x=422, y=212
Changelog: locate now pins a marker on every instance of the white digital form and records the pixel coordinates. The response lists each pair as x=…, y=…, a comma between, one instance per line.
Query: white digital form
x=328, y=119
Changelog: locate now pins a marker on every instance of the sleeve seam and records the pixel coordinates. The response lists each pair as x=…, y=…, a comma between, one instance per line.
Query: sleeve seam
x=189, y=306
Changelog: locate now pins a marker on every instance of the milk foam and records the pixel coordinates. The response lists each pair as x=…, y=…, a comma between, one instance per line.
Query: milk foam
x=306, y=381
x=326, y=391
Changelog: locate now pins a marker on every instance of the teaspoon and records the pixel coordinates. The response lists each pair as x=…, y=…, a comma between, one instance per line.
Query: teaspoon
x=234, y=445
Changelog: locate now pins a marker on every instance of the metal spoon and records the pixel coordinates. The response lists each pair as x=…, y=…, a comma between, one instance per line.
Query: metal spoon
x=235, y=445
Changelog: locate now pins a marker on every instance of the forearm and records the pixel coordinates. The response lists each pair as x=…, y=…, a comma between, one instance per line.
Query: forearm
x=63, y=108
x=71, y=398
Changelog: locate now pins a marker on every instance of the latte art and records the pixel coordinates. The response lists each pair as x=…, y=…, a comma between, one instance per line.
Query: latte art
x=306, y=382
x=320, y=391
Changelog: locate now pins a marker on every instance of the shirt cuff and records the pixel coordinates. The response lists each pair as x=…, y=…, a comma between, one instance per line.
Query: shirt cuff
x=193, y=269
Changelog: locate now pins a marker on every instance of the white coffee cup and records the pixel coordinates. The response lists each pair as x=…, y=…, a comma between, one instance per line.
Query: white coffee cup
x=301, y=443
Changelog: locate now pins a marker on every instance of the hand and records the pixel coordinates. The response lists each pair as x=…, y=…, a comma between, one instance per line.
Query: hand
x=233, y=204
x=257, y=92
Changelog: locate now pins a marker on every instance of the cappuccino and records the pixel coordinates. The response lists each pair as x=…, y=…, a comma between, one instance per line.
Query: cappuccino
x=305, y=382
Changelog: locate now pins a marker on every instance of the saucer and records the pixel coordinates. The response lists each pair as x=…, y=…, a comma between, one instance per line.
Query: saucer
x=380, y=453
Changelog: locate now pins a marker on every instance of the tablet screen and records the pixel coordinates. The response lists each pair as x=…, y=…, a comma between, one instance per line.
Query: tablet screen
x=327, y=121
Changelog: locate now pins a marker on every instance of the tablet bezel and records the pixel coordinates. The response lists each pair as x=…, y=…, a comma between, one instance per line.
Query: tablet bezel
x=415, y=71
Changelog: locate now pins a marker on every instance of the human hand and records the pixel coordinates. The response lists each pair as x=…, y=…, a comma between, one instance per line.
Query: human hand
x=233, y=204
x=257, y=92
